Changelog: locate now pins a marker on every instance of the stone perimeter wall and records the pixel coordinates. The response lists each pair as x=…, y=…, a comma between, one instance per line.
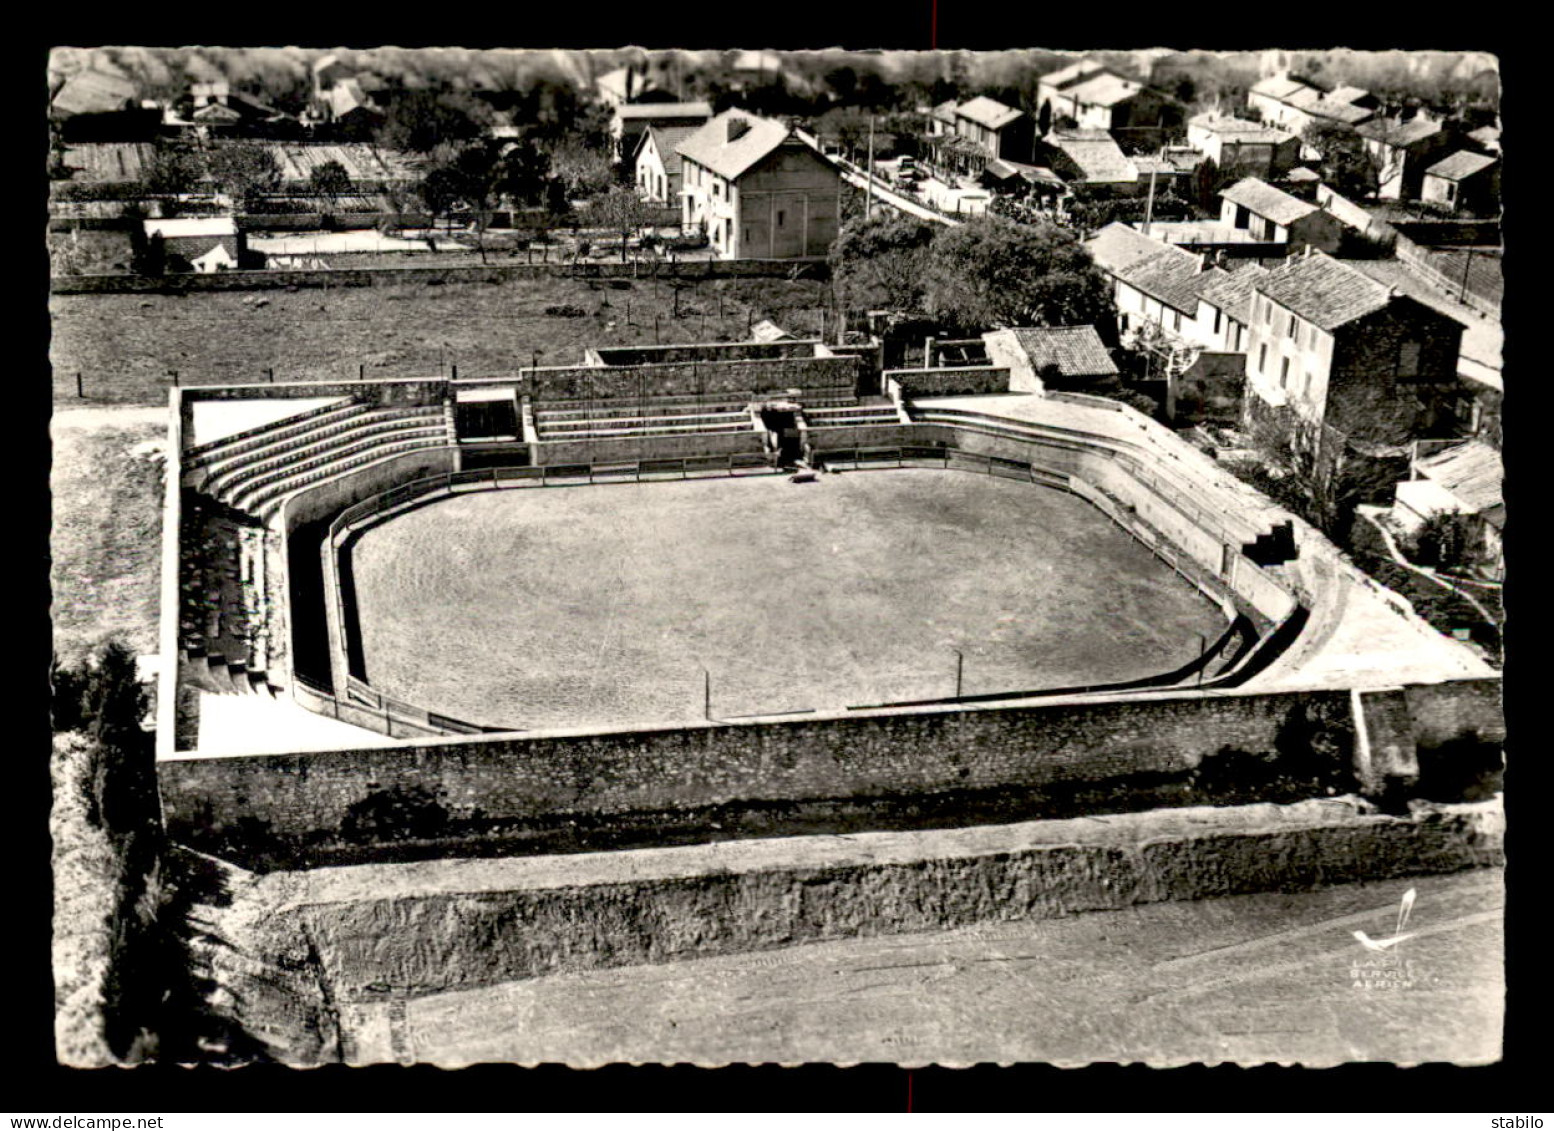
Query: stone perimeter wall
x=813, y=759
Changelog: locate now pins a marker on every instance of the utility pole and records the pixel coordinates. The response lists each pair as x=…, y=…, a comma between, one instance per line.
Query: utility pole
x=960, y=667
x=1149, y=204
x=868, y=201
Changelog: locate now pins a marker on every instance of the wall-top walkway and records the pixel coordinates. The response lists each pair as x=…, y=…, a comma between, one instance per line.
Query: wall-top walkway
x=1359, y=634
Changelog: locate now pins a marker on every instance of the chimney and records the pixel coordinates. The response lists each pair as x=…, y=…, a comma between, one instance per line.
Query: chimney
x=1203, y=263
x=737, y=128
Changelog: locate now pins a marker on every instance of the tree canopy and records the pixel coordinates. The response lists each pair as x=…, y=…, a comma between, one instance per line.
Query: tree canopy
x=1346, y=164
x=879, y=262
x=421, y=121
x=330, y=179
x=245, y=172
x=990, y=272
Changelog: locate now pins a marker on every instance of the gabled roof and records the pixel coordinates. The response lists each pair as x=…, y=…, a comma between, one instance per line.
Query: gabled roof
x=1262, y=199
x=945, y=111
x=709, y=145
x=345, y=96
x=1095, y=153
x=198, y=227
x=1348, y=94
x=1239, y=129
x=1310, y=98
x=1487, y=136
x=1232, y=291
x=93, y=92
x=1344, y=112
x=988, y=112
x=1460, y=165
x=668, y=111
x=1172, y=276
x=1324, y=291
x=1105, y=90
x=1473, y=473
x=1282, y=87
x=1076, y=351
x=667, y=140
x=1117, y=246
x=1068, y=76
x=1398, y=134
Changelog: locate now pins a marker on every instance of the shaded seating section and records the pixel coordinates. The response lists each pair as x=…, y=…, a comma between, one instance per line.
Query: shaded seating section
x=224, y=615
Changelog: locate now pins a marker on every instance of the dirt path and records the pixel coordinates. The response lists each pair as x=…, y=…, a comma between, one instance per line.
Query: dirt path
x=1244, y=979
x=107, y=417
x=1370, y=516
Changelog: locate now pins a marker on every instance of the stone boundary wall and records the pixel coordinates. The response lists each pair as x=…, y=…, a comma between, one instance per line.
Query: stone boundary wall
x=394, y=276
x=691, y=378
x=700, y=352
x=522, y=778
x=960, y=381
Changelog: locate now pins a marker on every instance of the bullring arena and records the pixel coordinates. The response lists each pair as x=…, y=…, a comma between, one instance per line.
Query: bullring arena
x=586, y=620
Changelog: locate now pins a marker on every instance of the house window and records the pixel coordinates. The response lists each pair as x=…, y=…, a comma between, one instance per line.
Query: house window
x=1262, y=359
x=779, y=217
x=1294, y=327
x=1284, y=373
x=1216, y=321
x=1176, y=319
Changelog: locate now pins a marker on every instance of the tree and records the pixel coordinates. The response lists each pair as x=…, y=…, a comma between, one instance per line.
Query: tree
x=1346, y=164
x=149, y=254
x=1093, y=215
x=245, y=172
x=422, y=121
x=1446, y=541
x=523, y=172
x=582, y=169
x=990, y=272
x=619, y=210
x=879, y=262
x=1316, y=470
x=114, y=701
x=171, y=172
x=330, y=180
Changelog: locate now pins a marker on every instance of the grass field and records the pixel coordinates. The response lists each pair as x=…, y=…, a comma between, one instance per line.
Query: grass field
x=106, y=536
x=125, y=345
x=603, y=605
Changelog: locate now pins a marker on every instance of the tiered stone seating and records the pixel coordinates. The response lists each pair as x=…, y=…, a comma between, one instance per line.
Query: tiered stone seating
x=232, y=477
x=658, y=416
x=263, y=497
x=842, y=416
x=218, y=451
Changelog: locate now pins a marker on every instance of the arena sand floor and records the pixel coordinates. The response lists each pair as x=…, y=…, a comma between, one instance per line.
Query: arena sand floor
x=603, y=605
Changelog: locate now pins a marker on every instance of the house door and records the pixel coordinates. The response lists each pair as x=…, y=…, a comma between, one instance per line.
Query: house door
x=787, y=222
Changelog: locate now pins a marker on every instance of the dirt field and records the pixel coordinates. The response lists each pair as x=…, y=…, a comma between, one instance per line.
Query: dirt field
x=107, y=525
x=126, y=345
x=1246, y=979
x=585, y=605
